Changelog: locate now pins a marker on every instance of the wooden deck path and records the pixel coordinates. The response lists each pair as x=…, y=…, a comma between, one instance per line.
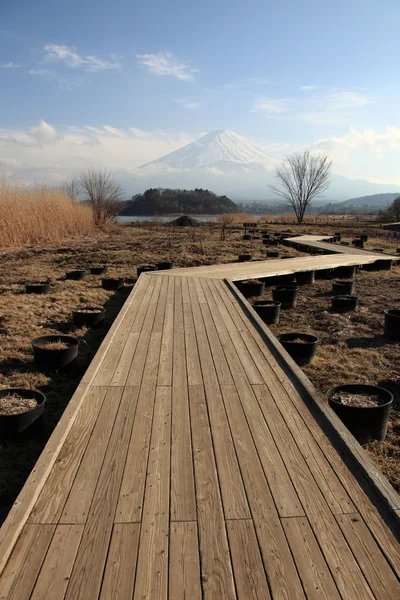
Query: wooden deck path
x=196, y=461
x=321, y=243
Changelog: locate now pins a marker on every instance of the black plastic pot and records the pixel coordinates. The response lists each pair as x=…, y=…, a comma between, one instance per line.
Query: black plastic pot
x=11, y=424
x=244, y=257
x=112, y=283
x=50, y=360
x=345, y=272
x=392, y=323
x=364, y=238
x=251, y=288
x=343, y=288
x=287, y=279
x=98, y=270
x=90, y=319
x=358, y=243
x=273, y=254
x=365, y=423
x=286, y=295
x=145, y=268
x=324, y=274
x=338, y=235
x=77, y=275
x=165, y=265
x=38, y=287
x=344, y=243
x=247, y=237
x=384, y=264
x=302, y=352
x=344, y=303
x=287, y=256
x=268, y=310
x=305, y=277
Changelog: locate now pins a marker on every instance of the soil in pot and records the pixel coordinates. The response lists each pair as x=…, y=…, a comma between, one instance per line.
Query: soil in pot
x=245, y=257
x=88, y=316
x=364, y=409
x=112, y=283
x=37, y=287
x=98, y=270
x=343, y=287
x=77, y=275
x=344, y=303
x=252, y=287
x=52, y=352
x=165, y=265
x=392, y=323
x=145, y=268
x=286, y=295
x=305, y=277
x=19, y=408
x=302, y=347
x=268, y=311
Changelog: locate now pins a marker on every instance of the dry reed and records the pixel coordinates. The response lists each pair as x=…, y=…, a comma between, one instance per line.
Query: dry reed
x=39, y=214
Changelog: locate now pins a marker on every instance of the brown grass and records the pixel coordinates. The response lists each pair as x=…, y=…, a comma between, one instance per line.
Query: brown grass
x=39, y=214
x=16, y=405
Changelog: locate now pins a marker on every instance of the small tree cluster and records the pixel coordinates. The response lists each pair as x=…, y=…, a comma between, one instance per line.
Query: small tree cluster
x=392, y=212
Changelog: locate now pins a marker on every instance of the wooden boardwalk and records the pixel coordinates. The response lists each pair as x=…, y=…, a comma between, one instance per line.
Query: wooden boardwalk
x=195, y=461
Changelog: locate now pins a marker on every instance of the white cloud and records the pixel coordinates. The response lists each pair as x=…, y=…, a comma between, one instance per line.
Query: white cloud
x=41, y=72
x=344, y=100
x=72, y=59
x=165, y=63
x=309, y=88
x=272, y=105
x=9, y=65
x=44, y=133
x=187, y=104
x=113, y=130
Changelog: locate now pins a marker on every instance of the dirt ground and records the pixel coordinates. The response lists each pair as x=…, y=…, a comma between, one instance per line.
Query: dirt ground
x=351, y=346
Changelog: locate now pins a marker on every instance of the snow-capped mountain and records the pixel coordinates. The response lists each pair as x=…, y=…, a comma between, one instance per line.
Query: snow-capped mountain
x=222, y=150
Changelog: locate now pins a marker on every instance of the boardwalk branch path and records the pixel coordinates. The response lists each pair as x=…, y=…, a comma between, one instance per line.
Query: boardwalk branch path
x=195, y=460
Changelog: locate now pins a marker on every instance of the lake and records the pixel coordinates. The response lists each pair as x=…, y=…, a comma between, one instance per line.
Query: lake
x=167, y=218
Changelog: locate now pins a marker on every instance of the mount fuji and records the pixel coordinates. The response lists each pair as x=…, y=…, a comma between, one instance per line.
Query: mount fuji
x=228, y=164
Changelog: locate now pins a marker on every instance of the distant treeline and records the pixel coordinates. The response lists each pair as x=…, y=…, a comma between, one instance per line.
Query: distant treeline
x=160, y=201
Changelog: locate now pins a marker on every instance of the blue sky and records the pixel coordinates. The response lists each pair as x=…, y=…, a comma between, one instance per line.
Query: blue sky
x=122, y=83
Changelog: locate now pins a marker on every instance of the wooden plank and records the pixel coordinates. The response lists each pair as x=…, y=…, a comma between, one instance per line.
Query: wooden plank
x=78, y=498
x=58, y=485
x=251, y=582
x=19, y=575
x=130, y=503
x=86, y=577
x=383, y=582
x=152, y=568
x=194, y=375
x=54, y=575
x=216, y=567
x=119, y=575
x=183, y=500
x=184, y=562
x=235, y=505
x=165, y=365
x=314, y=572
x=278, y=562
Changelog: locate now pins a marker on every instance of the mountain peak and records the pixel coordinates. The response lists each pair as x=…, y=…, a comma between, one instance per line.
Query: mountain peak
x=221, y=149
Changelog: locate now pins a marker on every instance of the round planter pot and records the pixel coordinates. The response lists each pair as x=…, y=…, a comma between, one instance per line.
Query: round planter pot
x=344, y=303
x=286, y=295
x=88, y=316
x=398, y=250
x=285, y=279
x=37, y=287
x=11, y=424
x=364, y=238
x=343, y=288
x=165, y=265
x=358, y=243
x=384, y=264
x=268, y=310
x=345, y=272
x=251, y=288
x=145, y=268
x=302, y=347
x=77, y=275
x=49, y=359
x=392, y=323
x=247, y=237
x=365, y=423
x=324, y=274
x=244, y=257
x=305, y=277
x=338, y=235
x=98, y=270
x=344, y=244
x=273, y=254
x=112, y=283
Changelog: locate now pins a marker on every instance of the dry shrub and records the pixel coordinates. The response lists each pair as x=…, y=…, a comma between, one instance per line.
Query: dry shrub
x=241, y=218
x=39, y=214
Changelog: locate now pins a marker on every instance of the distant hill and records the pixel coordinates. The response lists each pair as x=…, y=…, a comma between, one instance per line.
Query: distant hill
x=157, y=202
x=376, y=200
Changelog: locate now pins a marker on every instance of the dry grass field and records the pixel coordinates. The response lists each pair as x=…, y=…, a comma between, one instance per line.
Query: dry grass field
x=351, y=346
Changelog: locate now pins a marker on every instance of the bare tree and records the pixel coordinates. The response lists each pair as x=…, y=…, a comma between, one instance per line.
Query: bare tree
x=391, y=212
x=102, y=193
x=302, y=178
x=224, y=221
x=71, y=188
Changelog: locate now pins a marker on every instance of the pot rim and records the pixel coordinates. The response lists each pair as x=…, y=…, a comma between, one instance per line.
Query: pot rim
x=390, y=311
x=336, y=388
x=92, y=309
x=68, y=339
x=299, y=335
x=39, y=396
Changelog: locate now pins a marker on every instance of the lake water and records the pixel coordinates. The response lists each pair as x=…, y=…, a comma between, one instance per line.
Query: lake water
x=167, y=219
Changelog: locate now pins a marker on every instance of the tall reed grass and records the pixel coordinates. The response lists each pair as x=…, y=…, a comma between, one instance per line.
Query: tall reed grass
x=39, y=214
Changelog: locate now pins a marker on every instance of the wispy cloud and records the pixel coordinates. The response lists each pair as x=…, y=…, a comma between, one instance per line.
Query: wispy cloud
x=72, y=59
x=165, y=63
x=41, y=72
x=342, y=100
x=188, y=104
x=9, y=65
x=309, y=88
x=272, y=105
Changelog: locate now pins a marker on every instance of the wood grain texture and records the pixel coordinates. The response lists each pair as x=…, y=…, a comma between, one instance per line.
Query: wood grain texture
x=184, y=562
x=119, y=575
